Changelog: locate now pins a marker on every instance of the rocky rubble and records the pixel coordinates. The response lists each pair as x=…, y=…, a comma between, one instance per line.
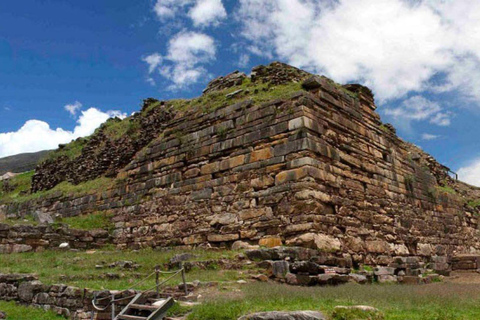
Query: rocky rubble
x=308, y=267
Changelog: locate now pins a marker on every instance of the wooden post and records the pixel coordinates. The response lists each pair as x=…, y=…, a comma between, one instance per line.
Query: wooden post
x=157, y=280
x=113, y=306
x=183, y=279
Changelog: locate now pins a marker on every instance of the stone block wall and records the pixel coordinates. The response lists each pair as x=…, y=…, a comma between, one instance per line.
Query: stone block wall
x=23, y=238
x=317, y=163
x=70, y=302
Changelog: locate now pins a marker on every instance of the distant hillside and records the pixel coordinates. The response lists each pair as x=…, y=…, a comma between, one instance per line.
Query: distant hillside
x=21, y=162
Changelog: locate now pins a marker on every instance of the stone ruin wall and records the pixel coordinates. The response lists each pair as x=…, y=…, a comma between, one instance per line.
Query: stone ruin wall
x=26, y=238
x=68, y=301
x=318, y=163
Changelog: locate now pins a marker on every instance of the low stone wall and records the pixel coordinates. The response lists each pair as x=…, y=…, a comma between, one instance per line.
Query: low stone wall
x=70, y=302
x=24, y=238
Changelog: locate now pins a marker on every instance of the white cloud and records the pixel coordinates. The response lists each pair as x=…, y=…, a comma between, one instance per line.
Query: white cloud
x=429, y=137
x=244, y=60
x=471, y=173
x=169, y=8
x=36, y=135
x=442, y=119
x=393, y=46
x=417, y=108
x=202, y=12
x=73, y=108
x=153, y=61
x=187, y=52
x=207, y=12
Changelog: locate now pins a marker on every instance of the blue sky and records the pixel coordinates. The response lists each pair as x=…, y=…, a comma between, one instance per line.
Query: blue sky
x=66, y=66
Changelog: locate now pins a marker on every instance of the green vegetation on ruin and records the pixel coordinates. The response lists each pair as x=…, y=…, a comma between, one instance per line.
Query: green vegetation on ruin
x=70, y=150
x=446, y=189
x=22, y=184
x=96, y=220
x=257, y=92
x=16, y=311
x=474, y=203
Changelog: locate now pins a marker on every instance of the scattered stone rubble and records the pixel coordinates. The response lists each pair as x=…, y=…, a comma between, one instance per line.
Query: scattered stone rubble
x=233, y=79
x=308, y=267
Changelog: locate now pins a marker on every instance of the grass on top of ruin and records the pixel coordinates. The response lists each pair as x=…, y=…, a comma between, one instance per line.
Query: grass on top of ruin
x=91, y=269
x=438, y=301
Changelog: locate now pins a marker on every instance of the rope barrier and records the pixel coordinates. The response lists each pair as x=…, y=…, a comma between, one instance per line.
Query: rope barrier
x=113, y=300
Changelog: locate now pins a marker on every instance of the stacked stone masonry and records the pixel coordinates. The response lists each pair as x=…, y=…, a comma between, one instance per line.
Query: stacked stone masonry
x=320, y=163
x=70, y=302
x=23, y=238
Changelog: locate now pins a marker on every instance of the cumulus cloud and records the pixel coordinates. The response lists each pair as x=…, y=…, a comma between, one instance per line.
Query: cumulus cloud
x=36, y=135
x=418, y=108
x=153, y=60
x=207, y=12
x=393, y=46
x=187, y=52
x=73, y=108
x=471, y=173
x=202, y=12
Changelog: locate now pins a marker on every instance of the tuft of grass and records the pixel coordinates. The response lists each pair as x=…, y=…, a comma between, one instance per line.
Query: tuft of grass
x=27, y=220
x=474, y=203
x=96, y=220
x=446, y=189
x=15, y=311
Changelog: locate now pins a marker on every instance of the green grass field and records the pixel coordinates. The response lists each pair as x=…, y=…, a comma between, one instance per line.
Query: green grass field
x=439, y=301
x=79, y=268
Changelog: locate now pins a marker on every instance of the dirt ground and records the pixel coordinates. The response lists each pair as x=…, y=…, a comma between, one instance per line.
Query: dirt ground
x=463, y=277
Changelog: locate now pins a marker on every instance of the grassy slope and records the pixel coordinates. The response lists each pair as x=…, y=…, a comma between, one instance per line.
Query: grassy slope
x=51, y=266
